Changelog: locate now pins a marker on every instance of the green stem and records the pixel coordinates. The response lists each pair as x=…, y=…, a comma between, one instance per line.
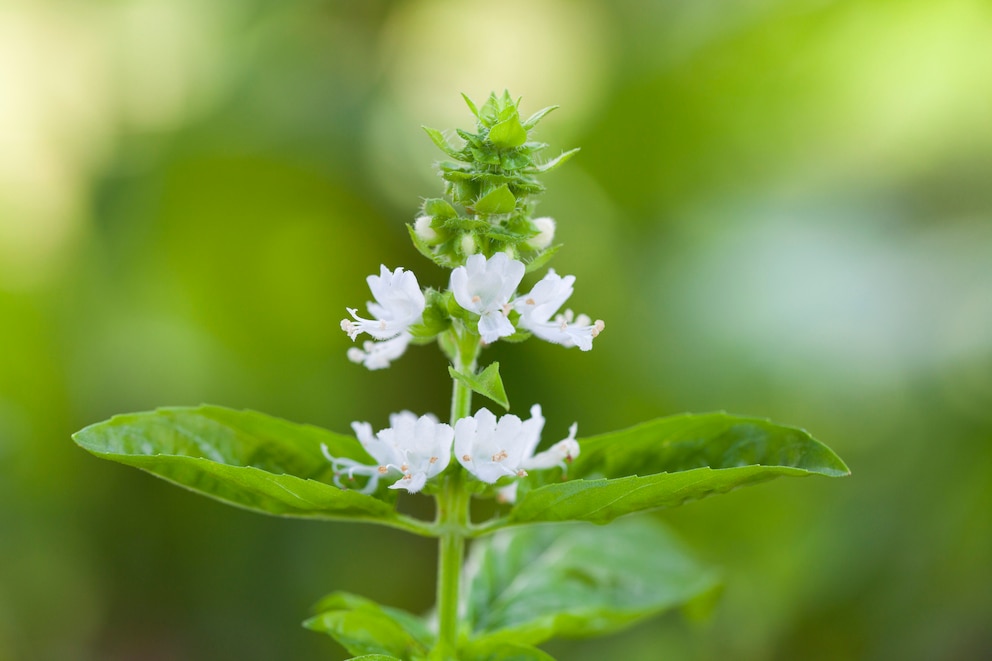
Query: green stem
x=453, y=515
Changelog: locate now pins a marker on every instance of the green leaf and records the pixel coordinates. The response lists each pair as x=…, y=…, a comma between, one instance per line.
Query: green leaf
x=497, y=650
x=542, y=258
x=470, y=104
x=669, y=461
x=711, y=440
x=438, y=139
x=362, y=626
x=527, y=585
x=554, y=162
x=487, y=383
x=242, y=458
x=538, y=116
x=497, y=201
x=439, y=208
x=374, y=657
x=508, y=133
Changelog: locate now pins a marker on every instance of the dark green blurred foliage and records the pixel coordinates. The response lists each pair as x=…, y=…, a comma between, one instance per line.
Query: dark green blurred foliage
x=780, y=209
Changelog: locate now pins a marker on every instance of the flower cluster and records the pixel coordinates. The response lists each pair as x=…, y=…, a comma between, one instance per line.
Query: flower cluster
x=413, y=450
x=485, y=290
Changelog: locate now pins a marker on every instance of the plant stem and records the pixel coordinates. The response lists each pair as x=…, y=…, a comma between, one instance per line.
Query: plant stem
x=453, y=515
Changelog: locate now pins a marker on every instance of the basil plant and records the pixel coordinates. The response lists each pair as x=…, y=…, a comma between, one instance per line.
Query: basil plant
x=538, y=568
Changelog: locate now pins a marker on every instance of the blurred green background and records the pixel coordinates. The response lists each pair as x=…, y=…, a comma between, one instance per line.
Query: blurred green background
x=781, y=208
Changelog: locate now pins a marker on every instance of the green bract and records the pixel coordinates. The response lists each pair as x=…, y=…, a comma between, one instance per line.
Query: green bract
x=538, y=569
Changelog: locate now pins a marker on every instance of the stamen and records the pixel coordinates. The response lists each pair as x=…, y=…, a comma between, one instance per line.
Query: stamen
x=500, y=456
x=466, y=457
x=383, y=470
x=530, y=301
x=432, y=460
x=521, y=473
x=476, y=298
x=598, y=327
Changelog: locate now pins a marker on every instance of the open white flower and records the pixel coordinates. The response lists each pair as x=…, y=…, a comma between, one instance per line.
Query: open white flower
x=537, y=307
x=399, y=303
x=484, y=286
x=415, y=449
x=490, y=448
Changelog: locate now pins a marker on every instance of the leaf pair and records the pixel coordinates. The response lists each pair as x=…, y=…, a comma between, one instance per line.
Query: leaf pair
x=276, y=467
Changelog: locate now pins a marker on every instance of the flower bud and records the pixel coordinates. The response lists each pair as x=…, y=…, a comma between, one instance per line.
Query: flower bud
x=468, y=244
x=546, y=228
x=422, y=226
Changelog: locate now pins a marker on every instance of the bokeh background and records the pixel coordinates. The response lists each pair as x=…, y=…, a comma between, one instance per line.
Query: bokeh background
x=781, y=208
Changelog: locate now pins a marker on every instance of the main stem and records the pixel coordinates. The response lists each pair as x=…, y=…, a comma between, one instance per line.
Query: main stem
x=453, y=514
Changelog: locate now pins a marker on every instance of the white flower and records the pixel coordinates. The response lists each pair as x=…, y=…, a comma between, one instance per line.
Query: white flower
x=399, y=304
x=378, y=355
x=543, y=301
x=415, y=448
x=490, y=448
x=484, y=286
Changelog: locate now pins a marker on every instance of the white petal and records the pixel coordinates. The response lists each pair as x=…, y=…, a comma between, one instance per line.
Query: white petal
x=485, y=286
x=378, y=355
x=538, y=305
x=494, y=325
x=412, y=482
x=558, y=454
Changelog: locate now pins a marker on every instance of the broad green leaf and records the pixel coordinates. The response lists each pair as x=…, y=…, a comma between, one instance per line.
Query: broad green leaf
x=669, y=461
x=538, y=116
x=526, y=585
x=555, y=162
x=487, y=383
x=362, y=626
x=708, y=440
x=508, y=133
x=498, y=200
x=497, y=650
x=374, y=657
x=439, y=140
x=242, y=458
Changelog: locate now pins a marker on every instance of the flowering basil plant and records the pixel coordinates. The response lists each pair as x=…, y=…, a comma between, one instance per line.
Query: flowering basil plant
x=523, y=583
